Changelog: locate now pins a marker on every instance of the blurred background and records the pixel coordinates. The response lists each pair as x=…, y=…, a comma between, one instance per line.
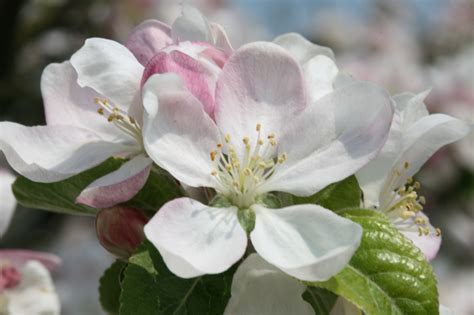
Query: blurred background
x=404, y=45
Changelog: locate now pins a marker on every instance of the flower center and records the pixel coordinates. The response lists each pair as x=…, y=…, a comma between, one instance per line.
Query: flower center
x=239, y=178
x=406, y=205
x=120, y=119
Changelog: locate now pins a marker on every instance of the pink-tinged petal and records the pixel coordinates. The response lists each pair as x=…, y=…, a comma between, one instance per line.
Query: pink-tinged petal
x=7, y=200
x=220, y=38
x=66, y=103
x=53, y=153
x=199, y=78
x=196, y=239
x=120, y=230
x=192, y=26
x=178, y=134
x=307, y=242
x=260, y=83
x=118, y=186
x=428, y=244
x=19, y=258
x=260, y=288
x=147, y=39
x=217, y=56
x=332, y=139
x=301, y=48
x=110, y=69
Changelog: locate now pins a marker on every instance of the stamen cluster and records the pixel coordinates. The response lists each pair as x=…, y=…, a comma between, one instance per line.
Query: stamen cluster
x=239, y=178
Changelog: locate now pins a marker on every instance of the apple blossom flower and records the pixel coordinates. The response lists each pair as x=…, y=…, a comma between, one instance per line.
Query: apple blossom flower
x=93, y=105
x=8, y=201
x=387, y=180
x=268, y=135
x=26, y=287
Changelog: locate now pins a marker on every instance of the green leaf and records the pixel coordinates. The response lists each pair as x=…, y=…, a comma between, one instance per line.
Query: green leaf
x=110, y=288
x=388, y=274
x=148, y=281
x=320, y=299
x=60, y=196
x=337, y=196
x=139, y=287
x=159, y=189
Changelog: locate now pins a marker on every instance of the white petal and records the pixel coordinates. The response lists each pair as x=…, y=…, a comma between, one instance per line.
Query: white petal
x=191, y=25
x=421, y=141
x=332, y=139
x=8, y=201
x=66, y=103
x=35, y=294
x=178, y=134
x=53, y=153
x=111, y=69
x=220, y=38
x=319, y=73
x=260, y=83
x=428, y=244
x=305, y=241
x=118, y=186
x=411, y=108
x=371, y=177
x=301, y=48
x=443, y=310
x=195, y=239
x=260, y=288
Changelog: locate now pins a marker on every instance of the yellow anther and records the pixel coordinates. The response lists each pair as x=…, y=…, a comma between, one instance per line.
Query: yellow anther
x=427, y=231
x=406, y=165
x=260, y=141
x=219, y=145
x=131, y=119
x=407, y=214
x=409, y=180
x=214, y=173
x=438, y=231
x=420, y=231
x=213, y=155
x=422, y=200
x=100, y=111
x=246, y=140
x=420, y=221
x=111, y=118
x=96, y=100
x=105, y=102
x=227, y=138
x=247, y=171
x=258, y=127
x=271, y=135
x=417, y=185
x=262, y=165
x=273, y=142
x=228, y=167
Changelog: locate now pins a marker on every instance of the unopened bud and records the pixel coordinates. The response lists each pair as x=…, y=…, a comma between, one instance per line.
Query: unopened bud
x=120, y=229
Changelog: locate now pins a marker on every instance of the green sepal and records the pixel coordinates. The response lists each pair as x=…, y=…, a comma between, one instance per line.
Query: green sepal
x=246, y=219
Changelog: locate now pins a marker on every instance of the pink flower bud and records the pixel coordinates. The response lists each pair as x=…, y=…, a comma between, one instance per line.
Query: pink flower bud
x=9, y=277
x=120, y=229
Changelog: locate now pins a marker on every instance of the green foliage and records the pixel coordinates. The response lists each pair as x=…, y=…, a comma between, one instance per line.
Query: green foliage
x=60, y=196
x=337, y=196
x=320, y=299
x=149, y=287
x=110, y=287
x=388, y=274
